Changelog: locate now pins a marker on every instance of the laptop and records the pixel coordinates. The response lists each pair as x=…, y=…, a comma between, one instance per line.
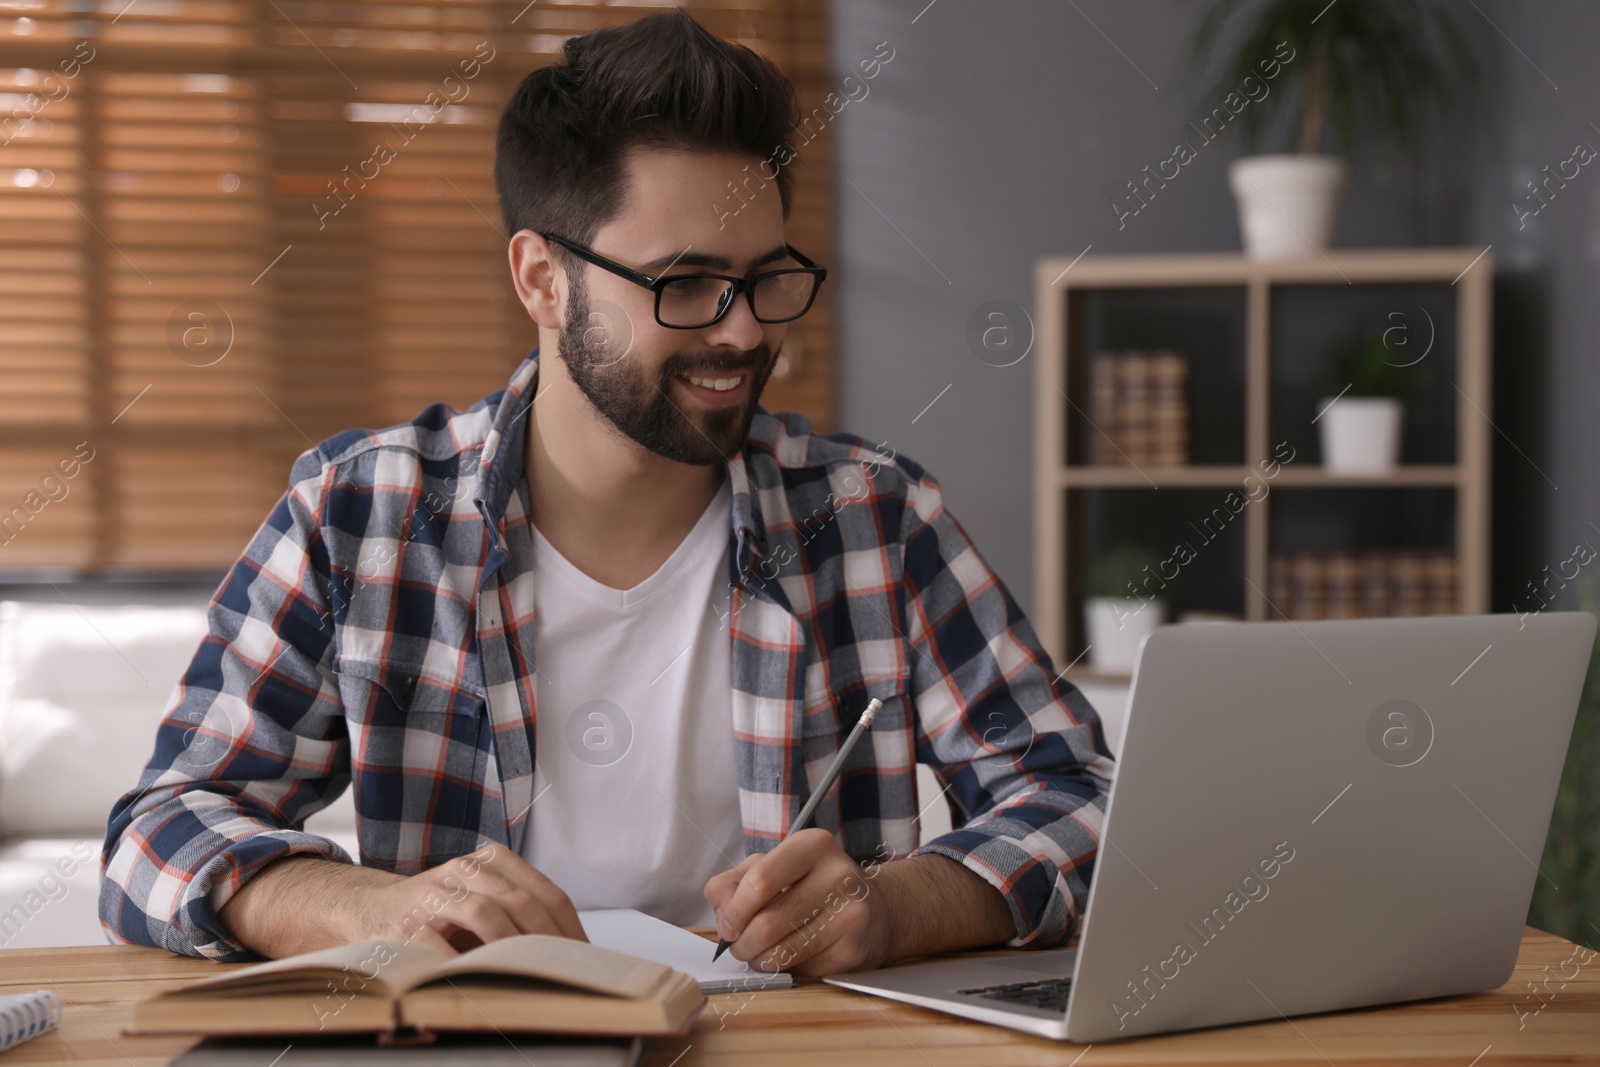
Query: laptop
x=1306, y=817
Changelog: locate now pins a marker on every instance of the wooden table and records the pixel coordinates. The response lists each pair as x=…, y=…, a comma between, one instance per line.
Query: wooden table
x=1539, y=1017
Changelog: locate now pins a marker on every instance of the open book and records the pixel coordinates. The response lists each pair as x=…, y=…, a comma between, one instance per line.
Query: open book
x=531, y=983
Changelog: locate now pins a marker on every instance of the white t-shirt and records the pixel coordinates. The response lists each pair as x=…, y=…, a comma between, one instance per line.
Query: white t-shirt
x=636, y=797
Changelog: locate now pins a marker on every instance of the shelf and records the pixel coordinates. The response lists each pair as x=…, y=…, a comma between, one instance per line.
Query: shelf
x=1257, y=336
x=1090, y=676
x=1418, y=323
x=1116, y=477
x=1199, y=518
x=1206, y=324
x=1358, y=518
x=1382, y=265
x=1440, y=475
x=1228, y=477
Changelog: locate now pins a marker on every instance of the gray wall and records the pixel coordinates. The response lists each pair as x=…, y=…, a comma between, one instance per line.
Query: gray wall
x=1548, y=374
x=1002, y=131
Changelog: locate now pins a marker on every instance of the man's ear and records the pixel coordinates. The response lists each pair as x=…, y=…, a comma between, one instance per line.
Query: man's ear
x=540, y=281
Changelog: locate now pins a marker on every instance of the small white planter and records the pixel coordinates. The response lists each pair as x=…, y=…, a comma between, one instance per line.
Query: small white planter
x=1287, y=203
x=1360, y=434
x=1115, y=627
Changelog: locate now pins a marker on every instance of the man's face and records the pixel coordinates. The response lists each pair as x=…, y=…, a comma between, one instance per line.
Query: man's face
x=666, y=389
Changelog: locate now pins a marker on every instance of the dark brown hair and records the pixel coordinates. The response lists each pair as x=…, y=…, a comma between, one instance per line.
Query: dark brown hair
x=662, y=82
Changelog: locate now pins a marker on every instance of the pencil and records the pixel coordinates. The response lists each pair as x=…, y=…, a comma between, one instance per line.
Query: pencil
x=823, y=786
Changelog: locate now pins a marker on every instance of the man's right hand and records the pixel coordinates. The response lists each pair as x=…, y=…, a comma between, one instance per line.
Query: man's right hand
x=303, y=903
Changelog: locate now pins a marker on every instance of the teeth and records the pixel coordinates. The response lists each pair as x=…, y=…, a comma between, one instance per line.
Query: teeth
x=721, y=385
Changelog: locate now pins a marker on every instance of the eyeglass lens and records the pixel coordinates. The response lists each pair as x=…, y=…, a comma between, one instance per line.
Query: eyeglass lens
x=696, y=300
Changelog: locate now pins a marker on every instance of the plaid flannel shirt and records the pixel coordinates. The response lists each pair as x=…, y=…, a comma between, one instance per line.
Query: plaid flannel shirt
x=377, y=632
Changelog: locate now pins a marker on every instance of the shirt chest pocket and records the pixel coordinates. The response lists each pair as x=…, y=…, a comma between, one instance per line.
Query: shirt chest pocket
x=419, y=752
x=378, y=695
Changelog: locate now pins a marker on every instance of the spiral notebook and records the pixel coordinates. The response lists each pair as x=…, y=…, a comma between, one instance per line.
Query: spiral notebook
x=649, y=938
x=27, y=1015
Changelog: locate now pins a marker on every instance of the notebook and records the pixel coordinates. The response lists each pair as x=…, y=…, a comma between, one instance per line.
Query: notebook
x=26, y=1015
x=649, y=938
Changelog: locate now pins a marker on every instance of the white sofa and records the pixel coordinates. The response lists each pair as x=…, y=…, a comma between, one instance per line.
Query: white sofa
x=81, y=691
x=82, y=687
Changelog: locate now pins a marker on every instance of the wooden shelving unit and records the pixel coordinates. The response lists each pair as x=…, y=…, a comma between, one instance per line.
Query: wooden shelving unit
x=1263, y=322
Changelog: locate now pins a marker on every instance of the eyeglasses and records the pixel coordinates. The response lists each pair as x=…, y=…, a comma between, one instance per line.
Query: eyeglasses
x=694, y=301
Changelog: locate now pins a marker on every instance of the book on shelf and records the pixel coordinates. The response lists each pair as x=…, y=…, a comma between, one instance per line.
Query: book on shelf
x=1308, y=584
x=531, y=983
x=1375, y=591
x=1351, y=585
x=1169, y=408
x=1139, y=405
x=1441, y=579
x=1344, y=586
x=1407, y=584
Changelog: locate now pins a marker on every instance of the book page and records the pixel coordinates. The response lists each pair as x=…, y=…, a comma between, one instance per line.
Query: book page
x=557, y=959
x=647, y=937
x=379, y=965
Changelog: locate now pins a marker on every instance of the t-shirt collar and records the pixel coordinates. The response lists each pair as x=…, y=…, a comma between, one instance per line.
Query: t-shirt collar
x=501, y=468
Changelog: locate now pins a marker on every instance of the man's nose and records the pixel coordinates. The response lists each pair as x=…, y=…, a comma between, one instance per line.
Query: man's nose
x=738, y=328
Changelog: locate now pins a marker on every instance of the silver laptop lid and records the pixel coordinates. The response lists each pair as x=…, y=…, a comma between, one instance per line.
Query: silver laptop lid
x=1323, y=815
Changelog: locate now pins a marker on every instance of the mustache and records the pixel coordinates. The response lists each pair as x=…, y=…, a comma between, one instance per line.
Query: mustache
x=709, y=366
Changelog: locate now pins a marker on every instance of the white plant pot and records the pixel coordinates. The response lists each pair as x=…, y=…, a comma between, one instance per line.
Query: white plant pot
x=1116, y=625
x=1360, y=434
x=1287, y=203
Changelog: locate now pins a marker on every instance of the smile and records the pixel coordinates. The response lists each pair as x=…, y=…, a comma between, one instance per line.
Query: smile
x=720, y=385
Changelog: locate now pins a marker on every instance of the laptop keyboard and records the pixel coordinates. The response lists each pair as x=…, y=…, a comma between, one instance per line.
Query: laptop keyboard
x=1049, y=994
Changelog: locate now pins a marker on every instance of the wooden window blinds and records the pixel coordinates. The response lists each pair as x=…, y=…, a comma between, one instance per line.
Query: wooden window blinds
x=185, y=305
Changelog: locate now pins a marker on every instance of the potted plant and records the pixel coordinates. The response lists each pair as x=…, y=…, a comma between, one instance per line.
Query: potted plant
x=1118, y=609
x=1363, y=407
x=1373, y=67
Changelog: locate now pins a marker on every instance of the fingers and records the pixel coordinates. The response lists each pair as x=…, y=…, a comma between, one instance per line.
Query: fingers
x=803, y=921
x=770, y=874
x=558, y=906
x=535, y=903
x=481, y=916
x=824, y=922
x=486, y=895
x=721, y=886
x=427, y=935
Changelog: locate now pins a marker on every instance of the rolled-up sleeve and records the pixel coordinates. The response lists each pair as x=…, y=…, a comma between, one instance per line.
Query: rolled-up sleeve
x=253, y=741
x=1023, y=753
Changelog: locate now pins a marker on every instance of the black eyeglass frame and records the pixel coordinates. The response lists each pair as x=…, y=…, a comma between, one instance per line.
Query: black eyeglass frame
x=747, y=286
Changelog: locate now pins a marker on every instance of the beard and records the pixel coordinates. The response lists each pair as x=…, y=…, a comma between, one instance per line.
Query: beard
x=639, y=403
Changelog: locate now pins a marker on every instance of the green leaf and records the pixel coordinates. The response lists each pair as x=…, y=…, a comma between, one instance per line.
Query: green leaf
x=1389, y=66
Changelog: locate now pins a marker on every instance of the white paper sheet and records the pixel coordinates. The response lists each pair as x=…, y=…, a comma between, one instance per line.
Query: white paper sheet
x=648, y=938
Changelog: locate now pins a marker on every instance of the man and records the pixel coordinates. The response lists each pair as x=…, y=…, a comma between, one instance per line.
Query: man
x=623, y=566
